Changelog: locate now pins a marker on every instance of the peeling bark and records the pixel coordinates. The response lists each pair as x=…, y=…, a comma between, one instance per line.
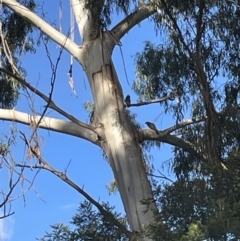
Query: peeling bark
x=121, y=143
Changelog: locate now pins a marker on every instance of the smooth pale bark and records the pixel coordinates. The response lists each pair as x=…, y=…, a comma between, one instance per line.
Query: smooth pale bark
x=121, y=144
x=53, y=124
x=120, y=139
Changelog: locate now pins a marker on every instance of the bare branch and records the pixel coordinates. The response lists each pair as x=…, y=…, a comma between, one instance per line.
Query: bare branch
x=167, y=97
x=184, y=124
x=171, y=129
x=45, y=165
x=6, y=197
x=171, y=140
x=53, y=80
x=51, y=104
x=48, y=123
x=46, y=28
x=162, y=176
x=23, y=179
x=132, y=20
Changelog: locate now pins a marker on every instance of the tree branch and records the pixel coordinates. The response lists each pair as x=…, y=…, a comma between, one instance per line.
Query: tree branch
x=62, y=175
x=162, y=176
x=6, y=197
x=170, y=96
x=183, y=124
x=53, y=124
x=87, y=22
x=132, y=20
x=51, y=104
x=46, y=28
x=150, y=135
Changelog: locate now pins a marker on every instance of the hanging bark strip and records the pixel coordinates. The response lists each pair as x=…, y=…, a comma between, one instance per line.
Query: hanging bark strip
x=70, y=72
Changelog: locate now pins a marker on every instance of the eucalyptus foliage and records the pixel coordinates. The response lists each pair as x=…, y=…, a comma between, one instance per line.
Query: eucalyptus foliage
x=19, y=39
x=172, y=65
x=88, y=224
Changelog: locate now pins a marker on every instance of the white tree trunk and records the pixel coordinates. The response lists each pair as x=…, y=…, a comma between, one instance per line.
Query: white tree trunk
x=121, y=141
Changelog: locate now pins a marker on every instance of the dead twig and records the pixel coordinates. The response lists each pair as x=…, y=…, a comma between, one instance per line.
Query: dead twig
x=46, y=166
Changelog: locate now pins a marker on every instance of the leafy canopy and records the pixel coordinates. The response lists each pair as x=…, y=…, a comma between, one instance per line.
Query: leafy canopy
x=18, y=40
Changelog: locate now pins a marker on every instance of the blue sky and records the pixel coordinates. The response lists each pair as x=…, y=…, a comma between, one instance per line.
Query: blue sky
x=88, y=168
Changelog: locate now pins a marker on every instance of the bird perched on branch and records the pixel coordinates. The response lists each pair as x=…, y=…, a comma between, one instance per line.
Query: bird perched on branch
x=152, y=126
x=172, y=96
x=128, y=100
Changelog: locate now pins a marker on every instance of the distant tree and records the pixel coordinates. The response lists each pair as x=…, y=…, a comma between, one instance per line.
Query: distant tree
x=205, y=207
x=89, y=224
x=196, y=64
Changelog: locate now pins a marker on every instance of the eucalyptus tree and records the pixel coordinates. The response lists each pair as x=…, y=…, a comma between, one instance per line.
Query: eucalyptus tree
x=196, y=63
